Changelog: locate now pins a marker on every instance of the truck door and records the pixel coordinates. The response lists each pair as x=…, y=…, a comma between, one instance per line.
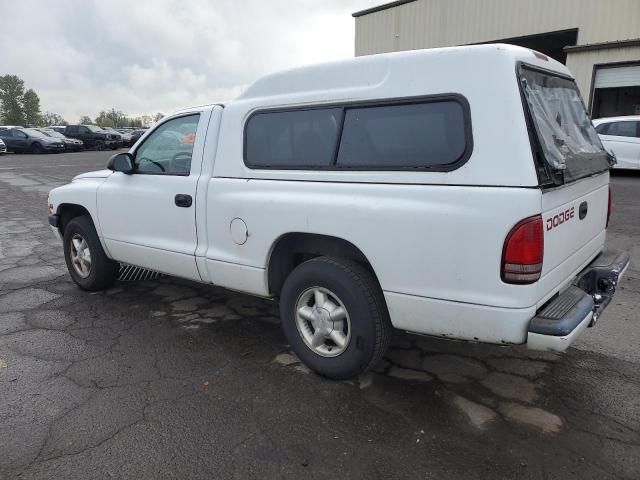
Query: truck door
x=86, y=136
x=73, y=132
x=148, y=218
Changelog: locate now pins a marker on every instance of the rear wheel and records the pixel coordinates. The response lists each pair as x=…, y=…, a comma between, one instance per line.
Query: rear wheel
x=88, y=265
x=99, y=145
x=334, y=316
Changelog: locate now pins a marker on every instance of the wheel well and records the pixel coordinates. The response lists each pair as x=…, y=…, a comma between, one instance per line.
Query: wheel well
x=292, y=249
x=69, y=211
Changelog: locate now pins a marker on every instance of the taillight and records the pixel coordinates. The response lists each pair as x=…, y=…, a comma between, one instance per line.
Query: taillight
x=610, y=205
x=523, y=252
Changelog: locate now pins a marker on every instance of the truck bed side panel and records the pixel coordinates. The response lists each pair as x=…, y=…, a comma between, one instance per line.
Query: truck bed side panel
x=440, y=242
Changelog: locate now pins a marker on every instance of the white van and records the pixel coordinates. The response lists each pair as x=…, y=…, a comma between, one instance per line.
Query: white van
x=457, y=192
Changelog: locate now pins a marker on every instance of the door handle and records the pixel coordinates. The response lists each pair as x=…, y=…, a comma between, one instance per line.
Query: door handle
x=183, y=200
x=582, y=211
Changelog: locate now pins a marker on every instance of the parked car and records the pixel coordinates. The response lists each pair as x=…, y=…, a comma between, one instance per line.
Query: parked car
x=70, y=144
x=20, y=140
x=382, y=191
x=116, y=134
x=621, y=136
x=135, y=136
x=92, y=136
x=3, y=147
x=126, y=138
x=58, y=128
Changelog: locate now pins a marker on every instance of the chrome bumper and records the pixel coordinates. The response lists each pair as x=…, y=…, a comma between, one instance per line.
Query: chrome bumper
x=559, y=323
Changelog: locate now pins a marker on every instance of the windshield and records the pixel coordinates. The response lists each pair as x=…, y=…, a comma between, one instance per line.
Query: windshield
x=34, y=133
x=53, y=133
x=94, y=128
x=569, y=142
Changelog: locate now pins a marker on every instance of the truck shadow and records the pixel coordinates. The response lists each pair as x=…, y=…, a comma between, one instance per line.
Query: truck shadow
x=481, y=385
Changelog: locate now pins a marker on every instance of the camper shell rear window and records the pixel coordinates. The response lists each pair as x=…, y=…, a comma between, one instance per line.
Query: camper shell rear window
x=562, y=132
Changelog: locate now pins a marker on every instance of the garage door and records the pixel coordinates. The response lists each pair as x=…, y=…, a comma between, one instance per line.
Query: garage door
x=616, y=77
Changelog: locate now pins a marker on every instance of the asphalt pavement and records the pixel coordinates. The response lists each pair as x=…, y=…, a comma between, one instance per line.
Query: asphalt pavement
x=172, y=379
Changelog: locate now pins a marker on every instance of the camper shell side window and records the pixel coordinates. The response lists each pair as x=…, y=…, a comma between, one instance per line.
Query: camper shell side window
x=427, y=133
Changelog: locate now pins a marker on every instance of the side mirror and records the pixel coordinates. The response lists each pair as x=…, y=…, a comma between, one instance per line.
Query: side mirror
x=122, y=162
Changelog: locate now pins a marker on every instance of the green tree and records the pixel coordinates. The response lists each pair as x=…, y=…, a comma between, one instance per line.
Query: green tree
x=50, y=118
x=85, y=120
x=31, y=107
x=117, y=117
x=111, y=118
x=103, y=119
x=11, y=100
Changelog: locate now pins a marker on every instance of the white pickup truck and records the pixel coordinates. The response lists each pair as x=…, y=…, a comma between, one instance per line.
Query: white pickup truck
x=457, y=192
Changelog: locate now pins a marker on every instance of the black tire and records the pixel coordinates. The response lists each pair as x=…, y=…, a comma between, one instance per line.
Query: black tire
x=99, y=145
x=36, y=148
x=103, y=271
x=361, y=295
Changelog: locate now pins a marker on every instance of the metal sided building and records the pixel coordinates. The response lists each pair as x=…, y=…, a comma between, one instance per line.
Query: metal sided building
x=599, y=40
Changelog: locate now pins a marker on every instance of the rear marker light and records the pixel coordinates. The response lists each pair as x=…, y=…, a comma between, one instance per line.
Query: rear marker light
x=523, y=252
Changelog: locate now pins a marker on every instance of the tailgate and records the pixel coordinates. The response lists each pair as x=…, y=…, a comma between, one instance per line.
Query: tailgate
x=575, y=217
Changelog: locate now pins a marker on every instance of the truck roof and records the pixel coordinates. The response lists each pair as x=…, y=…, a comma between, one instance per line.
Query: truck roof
x=350, y=78
x=373, y=70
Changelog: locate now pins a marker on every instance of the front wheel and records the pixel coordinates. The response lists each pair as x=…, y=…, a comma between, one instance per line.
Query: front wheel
x=335, y=317
x=88, y=265
x=36, y=148
x=99, y=145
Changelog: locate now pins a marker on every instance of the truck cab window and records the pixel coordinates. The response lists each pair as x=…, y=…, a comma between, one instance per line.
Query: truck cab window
x=168, y=150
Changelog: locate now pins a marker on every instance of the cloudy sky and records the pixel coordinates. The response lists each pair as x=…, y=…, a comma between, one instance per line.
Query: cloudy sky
x=147, y=56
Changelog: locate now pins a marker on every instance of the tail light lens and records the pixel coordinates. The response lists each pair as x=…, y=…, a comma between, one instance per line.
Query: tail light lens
x=523, y=252
x=610, y=205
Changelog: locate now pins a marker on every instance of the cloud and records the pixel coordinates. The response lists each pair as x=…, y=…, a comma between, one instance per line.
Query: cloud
x=161, y=55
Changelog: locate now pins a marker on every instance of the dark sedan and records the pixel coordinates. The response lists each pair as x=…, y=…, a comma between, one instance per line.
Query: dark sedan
x=20, y=140
x=135, y=136
x=70, y=144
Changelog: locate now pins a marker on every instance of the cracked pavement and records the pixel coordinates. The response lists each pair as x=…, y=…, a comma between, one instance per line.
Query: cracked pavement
x=172, y=379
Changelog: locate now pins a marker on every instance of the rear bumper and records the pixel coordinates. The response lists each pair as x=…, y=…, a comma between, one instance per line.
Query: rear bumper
x=557, y=325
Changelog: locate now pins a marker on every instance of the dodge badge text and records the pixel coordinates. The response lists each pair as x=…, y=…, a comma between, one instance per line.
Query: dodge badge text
x=559, y=219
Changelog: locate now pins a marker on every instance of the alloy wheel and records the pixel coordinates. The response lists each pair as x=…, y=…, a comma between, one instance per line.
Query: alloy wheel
x=323, y=322
x=80, y=256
